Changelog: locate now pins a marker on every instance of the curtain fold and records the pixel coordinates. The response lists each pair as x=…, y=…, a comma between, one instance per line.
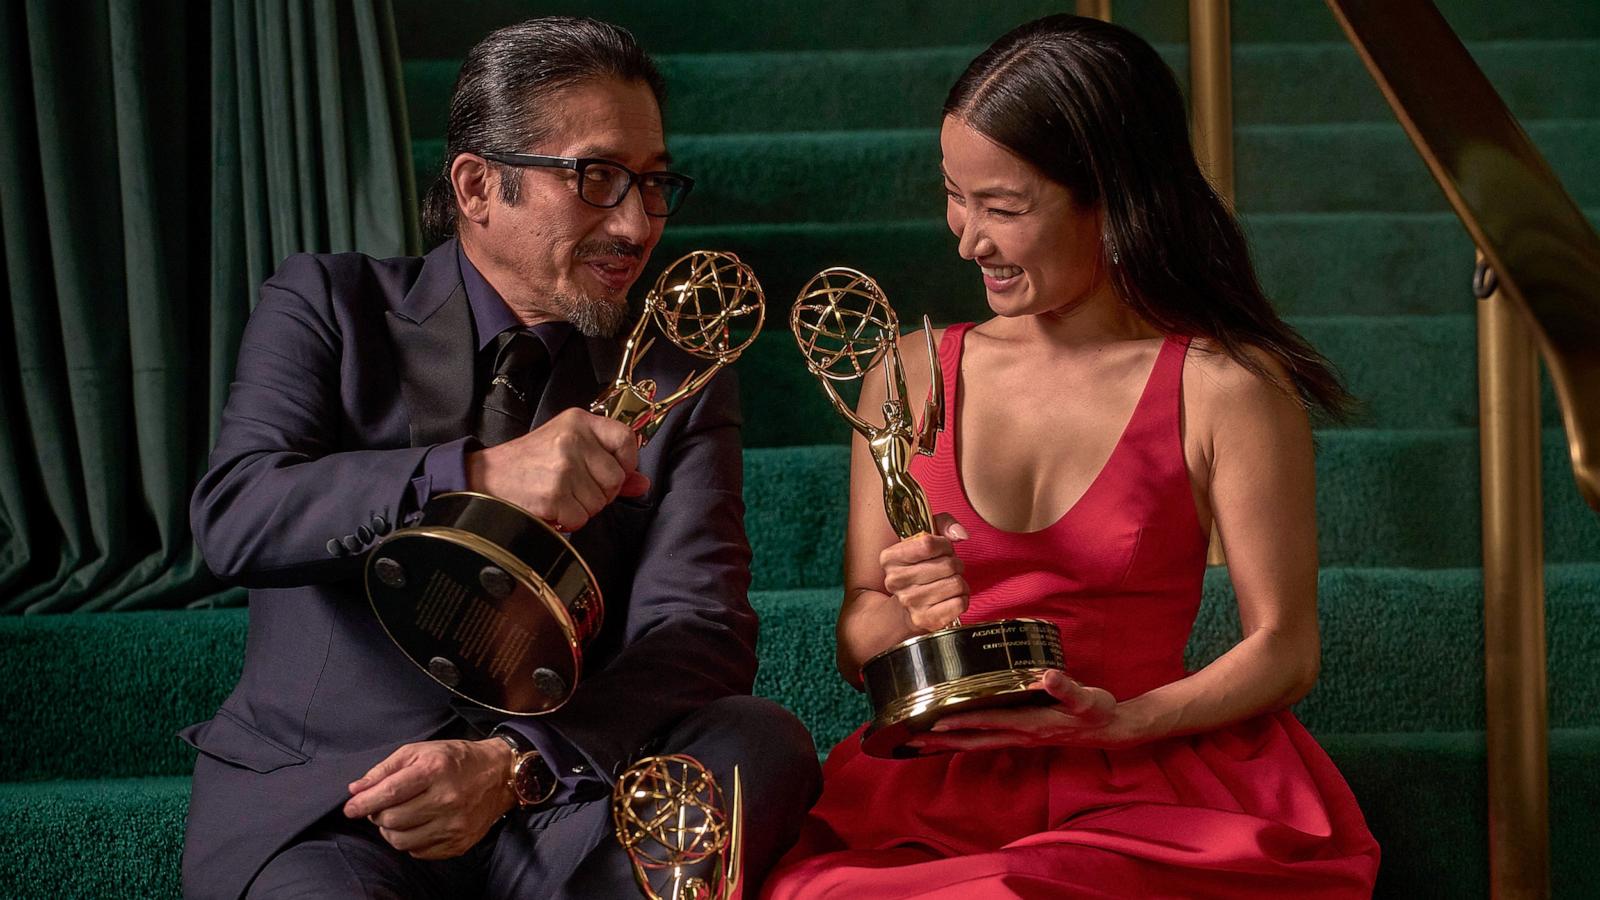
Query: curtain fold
x=158, y=159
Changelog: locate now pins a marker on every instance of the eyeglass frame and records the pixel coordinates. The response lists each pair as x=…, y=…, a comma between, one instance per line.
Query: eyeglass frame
x=579, y=163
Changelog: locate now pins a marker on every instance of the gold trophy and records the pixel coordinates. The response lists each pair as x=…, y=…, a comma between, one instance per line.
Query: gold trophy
x=670, y=819
x=845, y=327
x=495, y=604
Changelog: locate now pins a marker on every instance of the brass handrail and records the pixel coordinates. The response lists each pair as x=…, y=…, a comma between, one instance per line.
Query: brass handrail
x=1211, y=91
x=1095, y=9
x=1538, y=281
x=1515, y=704
x=1542, y=249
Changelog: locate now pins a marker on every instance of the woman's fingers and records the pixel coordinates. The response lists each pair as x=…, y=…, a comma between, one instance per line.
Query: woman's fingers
x=907, y=578
x=946, y=525
x=1086, y=703
x=915, y=549
x=938, y=615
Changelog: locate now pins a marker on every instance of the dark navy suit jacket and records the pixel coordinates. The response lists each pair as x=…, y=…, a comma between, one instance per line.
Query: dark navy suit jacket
x=351, y=369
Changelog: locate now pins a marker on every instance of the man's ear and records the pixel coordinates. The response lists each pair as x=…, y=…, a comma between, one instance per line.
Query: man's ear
x=472, y=179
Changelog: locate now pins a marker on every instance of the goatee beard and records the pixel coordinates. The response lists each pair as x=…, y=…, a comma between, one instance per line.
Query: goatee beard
x=594, y=316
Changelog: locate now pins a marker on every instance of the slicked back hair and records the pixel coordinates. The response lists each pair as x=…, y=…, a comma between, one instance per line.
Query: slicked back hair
x=498, y=105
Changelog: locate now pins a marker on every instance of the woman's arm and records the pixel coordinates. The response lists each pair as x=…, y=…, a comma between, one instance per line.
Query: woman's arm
x=1261, y=474
x=1251, y=458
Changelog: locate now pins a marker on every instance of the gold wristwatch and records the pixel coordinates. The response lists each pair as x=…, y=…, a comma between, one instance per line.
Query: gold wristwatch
x=530, y=778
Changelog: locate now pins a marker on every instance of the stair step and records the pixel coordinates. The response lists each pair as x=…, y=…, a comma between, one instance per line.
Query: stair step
x=107, y=838
x=838, y=90
x=1423, y=796
x=846, y=176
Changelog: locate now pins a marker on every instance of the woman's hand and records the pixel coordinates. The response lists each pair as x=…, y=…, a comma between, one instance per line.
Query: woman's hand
x=1081, y=717
x=923, y=574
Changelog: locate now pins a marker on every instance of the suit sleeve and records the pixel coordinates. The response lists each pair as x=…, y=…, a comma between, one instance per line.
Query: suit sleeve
x=279, y=488
x=690, y=634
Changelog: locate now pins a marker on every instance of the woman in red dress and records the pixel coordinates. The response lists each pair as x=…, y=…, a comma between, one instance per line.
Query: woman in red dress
x=1133, y=390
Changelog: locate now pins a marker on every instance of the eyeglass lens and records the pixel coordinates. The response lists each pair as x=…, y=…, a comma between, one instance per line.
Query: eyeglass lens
x=604, y=185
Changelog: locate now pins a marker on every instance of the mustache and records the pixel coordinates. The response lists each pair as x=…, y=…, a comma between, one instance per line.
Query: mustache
x=593, y=249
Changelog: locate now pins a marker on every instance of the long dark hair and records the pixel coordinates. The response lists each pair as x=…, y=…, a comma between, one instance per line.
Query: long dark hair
x=1093, y=107
x=497, y=106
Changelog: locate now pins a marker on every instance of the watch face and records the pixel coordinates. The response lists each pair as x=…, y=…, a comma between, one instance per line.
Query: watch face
x=529, y=781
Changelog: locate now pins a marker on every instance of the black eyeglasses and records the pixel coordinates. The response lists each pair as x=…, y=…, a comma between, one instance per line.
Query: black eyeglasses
x=604, y=183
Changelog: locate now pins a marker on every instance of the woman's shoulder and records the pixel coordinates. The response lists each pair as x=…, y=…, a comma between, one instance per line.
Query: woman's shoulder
x=1218, y=385
x=1221, y=373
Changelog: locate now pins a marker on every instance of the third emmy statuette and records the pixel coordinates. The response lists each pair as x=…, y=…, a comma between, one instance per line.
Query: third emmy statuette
x=495, y=604
x=845, y=327
x=671, y=821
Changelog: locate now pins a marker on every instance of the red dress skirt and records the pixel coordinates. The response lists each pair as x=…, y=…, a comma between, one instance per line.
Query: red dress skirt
x=1255, y=809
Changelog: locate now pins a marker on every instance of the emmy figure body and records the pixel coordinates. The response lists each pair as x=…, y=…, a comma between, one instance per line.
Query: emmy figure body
x=1133, y=391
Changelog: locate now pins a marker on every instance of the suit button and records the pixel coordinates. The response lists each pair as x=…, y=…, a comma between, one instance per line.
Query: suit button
x=351, y=544
x=335, y=548
x=364, y=534
x=380, y=525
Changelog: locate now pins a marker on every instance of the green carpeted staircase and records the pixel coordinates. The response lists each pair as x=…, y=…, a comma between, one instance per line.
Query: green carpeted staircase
x=812, y=130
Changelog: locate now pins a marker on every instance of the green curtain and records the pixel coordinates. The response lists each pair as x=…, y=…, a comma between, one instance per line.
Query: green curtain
x=157, y=160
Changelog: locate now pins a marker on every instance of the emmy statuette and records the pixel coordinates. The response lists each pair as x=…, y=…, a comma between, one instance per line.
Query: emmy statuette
x=845, y=327
x=670, y=820
x=497, y=605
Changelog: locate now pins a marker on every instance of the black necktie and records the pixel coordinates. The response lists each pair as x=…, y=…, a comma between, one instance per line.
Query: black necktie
x=519, y=369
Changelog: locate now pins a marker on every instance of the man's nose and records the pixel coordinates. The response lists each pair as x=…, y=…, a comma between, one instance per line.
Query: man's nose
x=628, y=220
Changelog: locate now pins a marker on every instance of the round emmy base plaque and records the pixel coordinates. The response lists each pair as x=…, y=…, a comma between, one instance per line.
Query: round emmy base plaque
x=488, y=601
x=968, y=667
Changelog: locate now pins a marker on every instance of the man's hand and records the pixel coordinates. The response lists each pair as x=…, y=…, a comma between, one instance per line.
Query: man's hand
x=565, y=471
x=435, y=799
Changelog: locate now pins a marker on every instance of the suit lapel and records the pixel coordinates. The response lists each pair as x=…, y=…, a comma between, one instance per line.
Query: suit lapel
x=433, y=339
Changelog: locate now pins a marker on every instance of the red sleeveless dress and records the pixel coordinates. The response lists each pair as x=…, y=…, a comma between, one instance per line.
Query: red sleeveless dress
x=1255, y=809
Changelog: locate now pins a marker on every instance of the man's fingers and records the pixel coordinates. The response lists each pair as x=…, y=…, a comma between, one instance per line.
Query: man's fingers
x=413, y=813
x=405, y=840
x=430, y=841
x=586, y=492
x=618, y=439
x=635, y=485
x=391, y=764
x=393, y=789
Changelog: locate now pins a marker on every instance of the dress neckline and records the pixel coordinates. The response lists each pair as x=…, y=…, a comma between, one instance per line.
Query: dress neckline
x=954, y=390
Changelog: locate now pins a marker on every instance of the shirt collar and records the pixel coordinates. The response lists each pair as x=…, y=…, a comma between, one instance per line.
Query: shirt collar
x=491, y=316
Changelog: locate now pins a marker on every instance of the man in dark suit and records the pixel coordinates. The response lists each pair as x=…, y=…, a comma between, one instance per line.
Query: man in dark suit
x=365, y=387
